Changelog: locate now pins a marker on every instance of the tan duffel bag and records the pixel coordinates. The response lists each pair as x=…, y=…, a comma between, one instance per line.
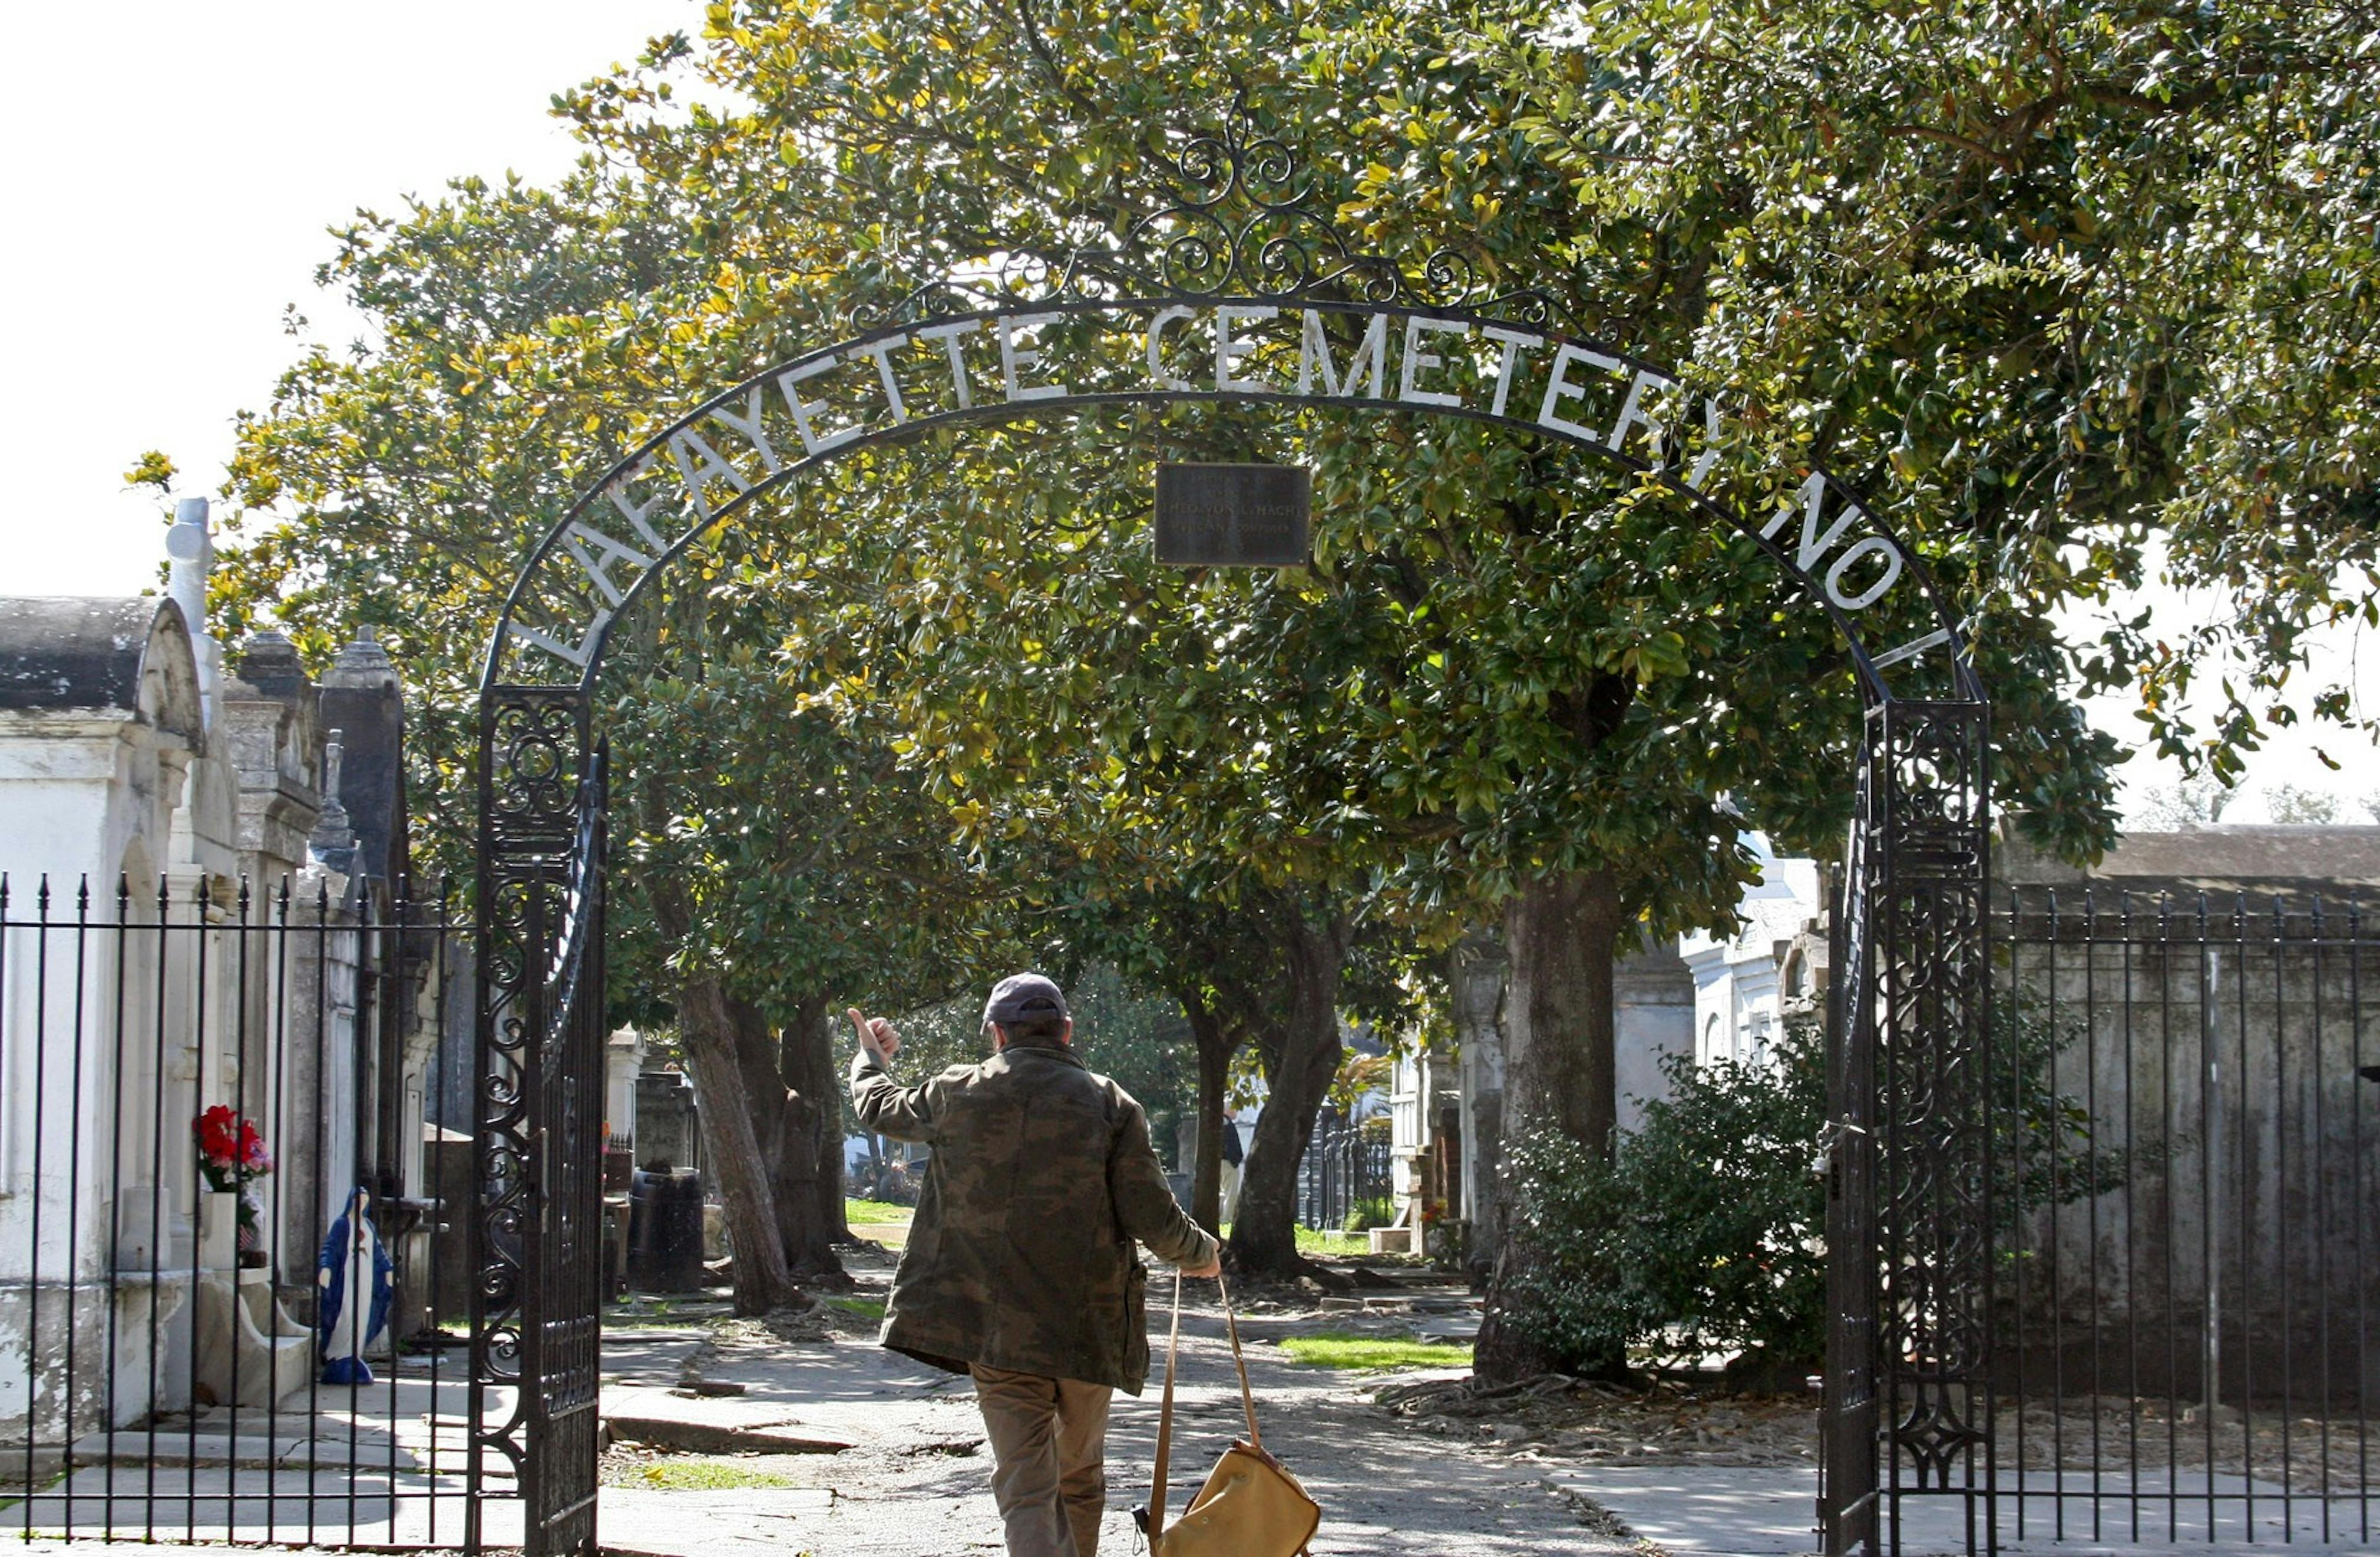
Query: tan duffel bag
x=1251, y=1505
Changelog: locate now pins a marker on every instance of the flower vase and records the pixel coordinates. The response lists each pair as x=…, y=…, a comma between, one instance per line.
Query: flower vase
x=251, y=1232
x=218, y=1229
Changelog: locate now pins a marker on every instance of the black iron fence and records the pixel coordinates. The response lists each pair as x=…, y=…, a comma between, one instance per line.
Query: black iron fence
x=230, y=1272
x=2185, y=1181
x=1346, y=1170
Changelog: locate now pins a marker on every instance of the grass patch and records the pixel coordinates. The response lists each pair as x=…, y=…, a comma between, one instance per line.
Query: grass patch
x=708, y=1476
x=875, y=1213
x=1335, y=1348
x=1342, y=1243
x=648, y=1312
x=1312, y=1242
x=866, y=1308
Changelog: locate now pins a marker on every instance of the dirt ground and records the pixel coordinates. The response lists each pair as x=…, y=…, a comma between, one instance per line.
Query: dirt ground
x=1668, y=1422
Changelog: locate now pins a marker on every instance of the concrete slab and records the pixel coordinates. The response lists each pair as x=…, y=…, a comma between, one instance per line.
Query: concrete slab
x=1696, y=1510
x=1449, y=1327
x=1421, y=1300
x=390, y=1455
x=635, y=1334
x=633, y=1522
x=717, y=1437
x=285, y=1507
x=644, y=1355
x=1718, y=1511
x=850, y=1391
x=366, y=1451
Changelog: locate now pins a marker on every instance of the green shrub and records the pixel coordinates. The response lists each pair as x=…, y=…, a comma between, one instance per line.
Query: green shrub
x=1705, y=1231
x=1701, y=1234
x=1378, y=1210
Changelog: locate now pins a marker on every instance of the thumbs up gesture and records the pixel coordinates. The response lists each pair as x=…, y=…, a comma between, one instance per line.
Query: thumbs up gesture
x=876, y=1035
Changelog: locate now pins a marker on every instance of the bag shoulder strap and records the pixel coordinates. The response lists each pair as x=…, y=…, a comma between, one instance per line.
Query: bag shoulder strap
x=1156, y=1526
x=1165, y=1412
x=1247, y=1397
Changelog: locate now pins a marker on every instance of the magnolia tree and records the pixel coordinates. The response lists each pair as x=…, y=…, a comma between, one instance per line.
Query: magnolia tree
x=1974, y=259
x=1507, y=687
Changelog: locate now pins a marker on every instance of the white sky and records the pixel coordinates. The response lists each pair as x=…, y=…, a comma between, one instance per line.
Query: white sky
x=2290, y=756
x=170, y=177
x=171, y=185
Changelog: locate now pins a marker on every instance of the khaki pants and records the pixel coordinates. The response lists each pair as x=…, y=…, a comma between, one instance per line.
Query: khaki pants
x=1048, y=1460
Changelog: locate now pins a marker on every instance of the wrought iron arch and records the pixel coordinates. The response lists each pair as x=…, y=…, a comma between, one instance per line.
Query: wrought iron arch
x=1242, y=273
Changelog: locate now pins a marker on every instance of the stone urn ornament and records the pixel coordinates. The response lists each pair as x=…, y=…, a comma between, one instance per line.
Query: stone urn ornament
x=357, y=1290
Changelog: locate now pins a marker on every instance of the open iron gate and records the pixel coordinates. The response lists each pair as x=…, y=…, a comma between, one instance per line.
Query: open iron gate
x=1907, y=1409
x=537, y=1148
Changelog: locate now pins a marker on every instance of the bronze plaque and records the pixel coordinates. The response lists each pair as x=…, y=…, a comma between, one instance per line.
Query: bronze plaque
x=1235, y=516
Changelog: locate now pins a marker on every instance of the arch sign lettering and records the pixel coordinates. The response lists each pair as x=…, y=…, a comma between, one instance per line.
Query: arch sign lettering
x=1238, y=289
x=1035, y=359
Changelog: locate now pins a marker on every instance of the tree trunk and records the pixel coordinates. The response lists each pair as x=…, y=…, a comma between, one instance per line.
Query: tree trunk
x=714, y=1033
x=1477, y=976
x=835, y=1178
x=1562, y=934
x=788, y=1075
x=812, y=1165
x=706, y=1028
x=1216, y=1041
x=1305, y=1057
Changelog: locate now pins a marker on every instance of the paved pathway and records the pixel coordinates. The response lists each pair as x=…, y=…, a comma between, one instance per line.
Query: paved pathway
x=916, y=1482
x=1720, y=1511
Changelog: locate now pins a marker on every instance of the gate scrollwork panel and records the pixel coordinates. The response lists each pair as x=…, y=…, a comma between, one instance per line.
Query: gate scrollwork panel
x=535, y=1161
x=1925, y=998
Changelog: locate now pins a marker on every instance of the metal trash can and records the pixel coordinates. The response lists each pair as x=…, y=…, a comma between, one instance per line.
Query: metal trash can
x=665, y=1230
x=615, y=1246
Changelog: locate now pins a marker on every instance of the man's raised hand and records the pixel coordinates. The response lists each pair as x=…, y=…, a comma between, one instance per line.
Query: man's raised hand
x=876, y=1034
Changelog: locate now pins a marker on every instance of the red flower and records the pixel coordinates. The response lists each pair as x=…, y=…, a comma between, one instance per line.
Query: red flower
x=231, y=1149
x=218, y=1136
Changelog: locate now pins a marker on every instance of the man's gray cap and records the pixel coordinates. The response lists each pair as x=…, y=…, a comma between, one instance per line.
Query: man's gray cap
x=1024, y=997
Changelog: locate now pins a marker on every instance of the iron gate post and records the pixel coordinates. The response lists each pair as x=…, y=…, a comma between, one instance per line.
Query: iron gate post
x=1928, y=994
x=1908, y=1406
x=1847, y=1417
x=536, y=1167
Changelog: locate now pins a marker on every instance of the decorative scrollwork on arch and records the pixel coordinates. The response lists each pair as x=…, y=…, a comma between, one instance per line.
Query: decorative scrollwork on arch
x=1236, y=212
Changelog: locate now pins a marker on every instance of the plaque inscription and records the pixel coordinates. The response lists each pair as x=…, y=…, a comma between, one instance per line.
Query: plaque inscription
x=1235, y=516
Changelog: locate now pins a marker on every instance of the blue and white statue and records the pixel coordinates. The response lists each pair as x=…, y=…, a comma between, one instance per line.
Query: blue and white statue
x=357, y=1290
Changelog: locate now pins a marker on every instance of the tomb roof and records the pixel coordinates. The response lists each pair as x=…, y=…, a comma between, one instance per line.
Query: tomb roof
x=129, y=653
x=2225, y=857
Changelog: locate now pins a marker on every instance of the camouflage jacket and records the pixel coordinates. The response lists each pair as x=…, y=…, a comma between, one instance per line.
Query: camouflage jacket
x=1021, y=1254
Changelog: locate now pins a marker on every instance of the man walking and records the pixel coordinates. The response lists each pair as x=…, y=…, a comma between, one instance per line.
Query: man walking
x=1020, y=1269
